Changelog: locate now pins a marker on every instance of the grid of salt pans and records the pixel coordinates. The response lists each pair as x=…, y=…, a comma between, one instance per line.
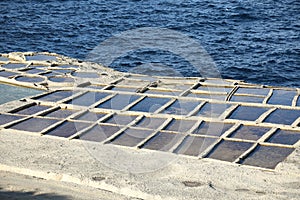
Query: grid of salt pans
x=204, y=118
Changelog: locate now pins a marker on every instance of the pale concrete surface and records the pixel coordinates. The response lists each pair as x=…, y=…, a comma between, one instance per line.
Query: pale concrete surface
x=184, y=178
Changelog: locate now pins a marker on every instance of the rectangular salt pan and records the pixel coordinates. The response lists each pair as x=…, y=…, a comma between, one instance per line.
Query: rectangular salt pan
x=61, y=113
x=163, y=92
x=247, y=113
x=193, y=146
x=248, y=99
x=68, y=129
x=267, y=156
x=163, y=141
x=99, y=133
x=149, y=104
x=118, y=102
x=215, y=89
x=7, y=74
x=285, y=137
x=283, y=116
x=150, y=122
x=212, y=110
x=90, y=116
x=120, y=119
x=212, y=128
x=4, y=119
x=87, y=99
x=131, y=137
x=34, y=124
x=55, y=96
x=180, y=107
x=282, y=97
x=249, y=132
x=229, y=150
x=14, y=66
x=123, y=89
x=181, y=126
x=254, y=91
x=219, y=97
x=31, y=110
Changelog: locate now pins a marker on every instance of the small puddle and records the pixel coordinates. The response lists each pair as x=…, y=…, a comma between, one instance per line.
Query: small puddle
x=88, y=99
x=68, y=129
x=247, y=113
x=163, y=141
x=212, y=128
x=229, y=150
x=181, y=126
x=267, y=156
x=285, y=137
x=193, y=146
x=118, y=102
x=249, y=132
x=180, y=107
x=212, y=110
x=99, y=133
x=29, y=79
x=149, y=104
x=283, y=116
x=34, y=124
x=150, y=122
x=131, y=137
x=193, y=184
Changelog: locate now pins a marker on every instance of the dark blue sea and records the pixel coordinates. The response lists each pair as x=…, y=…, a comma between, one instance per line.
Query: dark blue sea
x=253, y=40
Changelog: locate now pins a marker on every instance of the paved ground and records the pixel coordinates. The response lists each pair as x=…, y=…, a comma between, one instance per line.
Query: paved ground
x=70, y=162
x=21, y=187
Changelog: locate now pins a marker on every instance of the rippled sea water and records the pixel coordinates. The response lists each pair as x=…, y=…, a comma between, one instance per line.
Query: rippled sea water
x=253, y=40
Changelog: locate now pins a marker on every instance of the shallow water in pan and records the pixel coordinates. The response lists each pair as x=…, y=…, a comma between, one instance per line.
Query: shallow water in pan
x=9, y=93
